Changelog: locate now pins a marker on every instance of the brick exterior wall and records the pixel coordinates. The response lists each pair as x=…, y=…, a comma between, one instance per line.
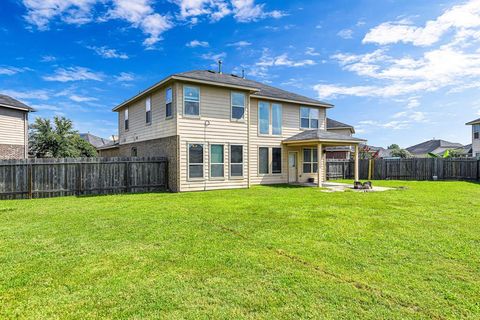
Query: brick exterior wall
x=12, y=151
x=163, y=147
x=109, y=153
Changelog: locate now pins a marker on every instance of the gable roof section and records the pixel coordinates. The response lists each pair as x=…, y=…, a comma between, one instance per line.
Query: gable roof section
x=432, y=145
x=94, y=140
x=9, y=102
x=258, y=89
x=477, y=121
x=334, y=124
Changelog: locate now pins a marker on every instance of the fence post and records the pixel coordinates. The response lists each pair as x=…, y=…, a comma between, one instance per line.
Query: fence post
x=127, y=177
x=30, y=181
x=167, y=178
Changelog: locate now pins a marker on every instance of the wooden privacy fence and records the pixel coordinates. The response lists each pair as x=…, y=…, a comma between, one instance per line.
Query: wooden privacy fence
x=407, y=169
x=43, y=178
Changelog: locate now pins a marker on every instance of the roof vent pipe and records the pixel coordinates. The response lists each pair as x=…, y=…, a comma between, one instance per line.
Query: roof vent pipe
x=243, y=73
x=220, y=66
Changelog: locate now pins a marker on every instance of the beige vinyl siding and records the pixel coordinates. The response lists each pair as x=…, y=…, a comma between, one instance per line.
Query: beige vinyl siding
x=290, y=127
x=475, y=145
x=215, y=107
x=12, y=126
x=139, y=130
x=346, y=132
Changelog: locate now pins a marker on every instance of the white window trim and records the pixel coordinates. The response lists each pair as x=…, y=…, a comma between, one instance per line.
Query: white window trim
x=270, y=120
x=148, y=107
x=188, y=161
x=309, y=122
x=270, y=161
x=171, y=102
x=210, y=161
x=199, y=103
x=244, y=106
x=230, y=162
x=313, y=149
x=125, y=119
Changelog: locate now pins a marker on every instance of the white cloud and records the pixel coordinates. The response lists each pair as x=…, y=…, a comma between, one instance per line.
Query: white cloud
x=197, y=43
x=239, y=44
x=78, y=98
x=282, y=60
x=125, y=76
x=461, y=18
x=247, y=10
x=74, y=74
x=10, y=71
x=108, y=53
x=45, y=107
x=48, y=59
x=29, y=95
x=345, y=34
x=214, y=56
x=40, y=12
x=311, y=52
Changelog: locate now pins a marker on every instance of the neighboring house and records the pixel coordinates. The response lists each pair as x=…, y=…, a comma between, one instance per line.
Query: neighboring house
x=340, y=152
x=223, y=131
x=376, y=152
x=475, y=137
x=433, y=146
x=105, y=147
x=13, y=128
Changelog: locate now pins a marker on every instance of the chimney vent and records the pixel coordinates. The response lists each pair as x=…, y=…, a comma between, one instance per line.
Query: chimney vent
x=243, y=73
x=220, y=66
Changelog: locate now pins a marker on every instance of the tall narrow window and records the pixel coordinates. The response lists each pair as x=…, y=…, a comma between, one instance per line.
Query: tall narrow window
x=168, y=103
x=125, y=114
x=238, y=105
x=309, y=118
x=216, y=161
x=191, y=101
x=264, y=117
x=276, y=119
x=236, y=161
x=148, y=110
x=476, y=131
x=263, y=161
x=276, y=160
x=310, y=160
x=195, y=160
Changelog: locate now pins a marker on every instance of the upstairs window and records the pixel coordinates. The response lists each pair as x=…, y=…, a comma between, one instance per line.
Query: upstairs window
x=476, y=131
x=310, y=160
x=238, y=105
x=269, y=118
x=168, y=103
x=191, y=101
x=195, y=161
x=148, y=110
x=309, y=118
x=125, y=114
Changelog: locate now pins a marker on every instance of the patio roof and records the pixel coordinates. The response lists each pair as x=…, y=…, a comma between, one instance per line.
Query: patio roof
x=322, y=136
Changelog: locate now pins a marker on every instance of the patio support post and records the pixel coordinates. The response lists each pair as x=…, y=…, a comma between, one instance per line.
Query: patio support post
x=320, y=165
x=357, y=173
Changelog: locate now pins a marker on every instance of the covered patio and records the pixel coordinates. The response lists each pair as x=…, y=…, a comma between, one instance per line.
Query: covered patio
x=306, y=155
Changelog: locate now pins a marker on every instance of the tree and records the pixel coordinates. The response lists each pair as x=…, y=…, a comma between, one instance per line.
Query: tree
x=393, y=147
x=59, y=140
x=400, y=153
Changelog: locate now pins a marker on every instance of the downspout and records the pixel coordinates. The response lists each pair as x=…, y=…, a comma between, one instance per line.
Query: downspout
x=25, y=135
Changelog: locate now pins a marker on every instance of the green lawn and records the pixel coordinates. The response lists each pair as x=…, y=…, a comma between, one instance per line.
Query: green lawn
x=263, y=253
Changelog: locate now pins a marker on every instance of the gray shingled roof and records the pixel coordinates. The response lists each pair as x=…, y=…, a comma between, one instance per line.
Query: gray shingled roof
x=432, y=145
x=473, y=122
x=13, y=103
x=334, y=124
x=95, y=141
x=264, y=90
x=316, y=135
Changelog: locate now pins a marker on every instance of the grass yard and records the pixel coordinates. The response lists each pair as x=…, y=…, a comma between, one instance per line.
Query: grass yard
x=263, y=253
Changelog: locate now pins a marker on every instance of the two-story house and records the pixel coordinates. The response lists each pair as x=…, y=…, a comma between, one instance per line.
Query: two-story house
x=475, y=137
x=224, y=131
x=13, y=128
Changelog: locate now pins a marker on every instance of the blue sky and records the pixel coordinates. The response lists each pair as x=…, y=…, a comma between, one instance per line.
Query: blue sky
x=400, y=71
